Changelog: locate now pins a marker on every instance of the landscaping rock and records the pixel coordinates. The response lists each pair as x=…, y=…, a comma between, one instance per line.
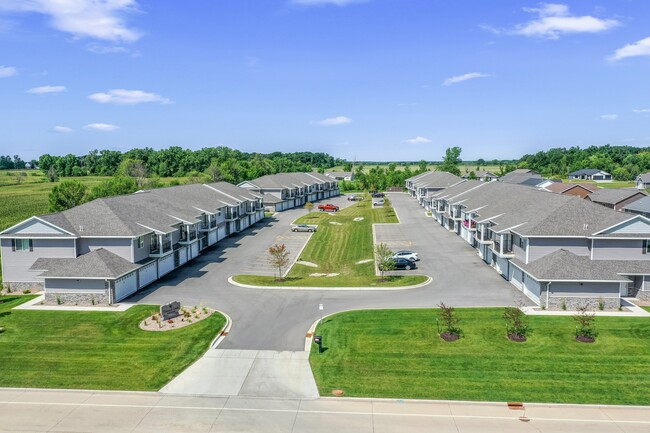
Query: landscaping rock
x=361, y=262
x=358, y=219
x=310, y=264
x=336, y=223
x=155, y=322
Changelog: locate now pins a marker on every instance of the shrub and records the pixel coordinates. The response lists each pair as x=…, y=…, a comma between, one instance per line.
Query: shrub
x=449, y=320
x=601, y=304
x=26, y=292
x=59, y=301
x=516, y=321
x=586, y=327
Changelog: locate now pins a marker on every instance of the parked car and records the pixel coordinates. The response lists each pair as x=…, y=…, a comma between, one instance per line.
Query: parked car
x=328, y=208
x=355, y=197
x=378, y=195
x=411, y=255
x=303, y=228
x=402, y=263
x=379, y=202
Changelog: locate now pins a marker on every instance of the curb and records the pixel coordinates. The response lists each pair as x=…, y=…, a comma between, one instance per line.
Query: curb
x=248, y=286
x=224, y=331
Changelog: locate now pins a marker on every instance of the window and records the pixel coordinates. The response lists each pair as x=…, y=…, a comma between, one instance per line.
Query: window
x=522, y=243
x=141, y=242
x=646, y=246
x=22, y=245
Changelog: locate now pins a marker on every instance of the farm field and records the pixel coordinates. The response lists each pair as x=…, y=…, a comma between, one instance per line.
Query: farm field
x=464, y=168
x=398, y=354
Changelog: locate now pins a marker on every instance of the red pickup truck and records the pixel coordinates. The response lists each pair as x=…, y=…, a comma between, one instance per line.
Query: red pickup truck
x=328, y=207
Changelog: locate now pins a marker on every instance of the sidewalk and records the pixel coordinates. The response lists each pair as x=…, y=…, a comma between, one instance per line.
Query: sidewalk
x=34, y=304
x=634, y=311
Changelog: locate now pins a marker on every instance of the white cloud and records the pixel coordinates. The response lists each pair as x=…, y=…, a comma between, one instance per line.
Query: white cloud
x=417, y=140
x=639, y=48
x=62, y=129
x=112, y=49
x=101, y=127
x=98, y=19
x=326, y=2
x=333, y=121
x=642, y=110
x=464, y=77
x=46, y=89
x=609, y=116
x=554, y=20
x=7, y=71
x=127, y=97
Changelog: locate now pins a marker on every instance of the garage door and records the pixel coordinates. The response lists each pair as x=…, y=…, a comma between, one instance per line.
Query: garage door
x=212, y=237
x=125, y=286
x=517, y=277
x=148, y=274
x=532, y=289
x=194, y=250
x=165, y=265
x=221, y=232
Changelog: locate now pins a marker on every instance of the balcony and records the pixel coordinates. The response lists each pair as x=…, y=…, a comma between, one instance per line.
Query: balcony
x=185, y=238
x=209, y=226
x=154, y=250
x=231, y=215
x=455, y=215
x=469, y=226
x=507, y=248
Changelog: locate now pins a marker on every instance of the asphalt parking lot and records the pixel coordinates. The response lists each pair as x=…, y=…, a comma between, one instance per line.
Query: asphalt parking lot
x=278, y=319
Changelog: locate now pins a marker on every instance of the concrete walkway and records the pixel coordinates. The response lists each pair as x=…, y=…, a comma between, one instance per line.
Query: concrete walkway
x=35, y=304
x=139, y=412
x=247, y=373
x=632, y=311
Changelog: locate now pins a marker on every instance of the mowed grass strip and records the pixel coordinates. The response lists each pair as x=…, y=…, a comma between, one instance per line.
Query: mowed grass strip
x=95, y=350
x=398, y=354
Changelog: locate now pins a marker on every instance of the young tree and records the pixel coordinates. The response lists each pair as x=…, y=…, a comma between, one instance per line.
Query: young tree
x=450, y=322
x=387, y=204
x=214, y=171
x=67, y=194
x=586, y=324
x=309, y=206
x=471, y=175
x=279, y=258
x=516, y=323
x=52, y=174
x=134, y=169
x=451, y=161
x=384, y=259
x=20, y=177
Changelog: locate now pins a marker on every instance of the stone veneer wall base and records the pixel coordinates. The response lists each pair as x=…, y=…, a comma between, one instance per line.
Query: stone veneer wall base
x=76, y=298
x=570, y=303
x=32, y=286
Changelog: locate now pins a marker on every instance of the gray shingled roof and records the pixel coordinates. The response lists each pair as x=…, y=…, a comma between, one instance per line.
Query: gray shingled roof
x=587, y=171
x=521, y=178
x=645, y=177
x=95, y=264
x=271, y=199
x=563, y=265
x=614, y=195
x=639, y=206
x=436, y=179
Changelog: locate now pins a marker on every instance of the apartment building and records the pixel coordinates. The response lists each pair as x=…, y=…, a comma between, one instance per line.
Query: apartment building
x=105, y=250
x=560, y=250
x=429, y=182
x=284, y=191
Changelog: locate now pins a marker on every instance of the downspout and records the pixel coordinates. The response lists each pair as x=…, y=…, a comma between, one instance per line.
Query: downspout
x=548, y=293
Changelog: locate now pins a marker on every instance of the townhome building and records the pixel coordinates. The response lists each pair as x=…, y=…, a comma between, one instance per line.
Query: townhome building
x=559, y=250
x=591, y=174
x=616, y=198
x=424, y=184
x=581, y=190
x=483, y=176
x=284, y=191
x=105, y=250
x=643, y=181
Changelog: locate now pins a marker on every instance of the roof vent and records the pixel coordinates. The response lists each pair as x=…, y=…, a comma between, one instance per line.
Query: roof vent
x=81, y=228
x=585, y=227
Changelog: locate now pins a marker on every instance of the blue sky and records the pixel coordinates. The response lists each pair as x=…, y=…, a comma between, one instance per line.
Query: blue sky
x=371, y=80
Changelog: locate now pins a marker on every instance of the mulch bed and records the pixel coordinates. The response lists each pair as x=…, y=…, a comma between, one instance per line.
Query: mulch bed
x=584, y=339
x=448, y=336
x=154, y=323
x=517, y=338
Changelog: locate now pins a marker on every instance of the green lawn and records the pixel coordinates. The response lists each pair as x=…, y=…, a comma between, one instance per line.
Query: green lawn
x=398, y=354
x=336, y=248
x=95, y=350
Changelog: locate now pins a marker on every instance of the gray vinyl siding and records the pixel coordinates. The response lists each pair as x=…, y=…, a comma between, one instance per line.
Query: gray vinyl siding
x=619, y=249
x=55, y=285
x=16, y=264
x=539, y=247
x=585, y=289
x=118, y=246
x=520, y=253
x=141, y=253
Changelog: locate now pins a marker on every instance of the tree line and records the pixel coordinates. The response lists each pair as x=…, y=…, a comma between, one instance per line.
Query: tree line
x=624, y=163
x=233, y=165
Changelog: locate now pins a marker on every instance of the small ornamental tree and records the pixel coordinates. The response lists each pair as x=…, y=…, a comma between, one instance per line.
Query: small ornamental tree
x=67, y=194
x=279, y=258
x=451, y=330
x=586, y=325
x=309, y=206
x=387, y=203
x=516, y=323
x=384, y=259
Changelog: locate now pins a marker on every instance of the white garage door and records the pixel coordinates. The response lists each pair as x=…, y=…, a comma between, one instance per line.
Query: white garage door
x=165, y=265
x=532, y=289
x=194, y=250
x=501, y=265
x=182, y=256
x=148, y=274
x=125, y=286
x=517, y=277
x=212, y=237
x=221, y=232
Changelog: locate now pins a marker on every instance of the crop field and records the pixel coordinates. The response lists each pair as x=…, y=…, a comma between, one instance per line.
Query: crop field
x=463, y=168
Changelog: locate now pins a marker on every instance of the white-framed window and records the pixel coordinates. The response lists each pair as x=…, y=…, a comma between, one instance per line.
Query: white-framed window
x=141, y=242
x=22, y=245
x=646, y=246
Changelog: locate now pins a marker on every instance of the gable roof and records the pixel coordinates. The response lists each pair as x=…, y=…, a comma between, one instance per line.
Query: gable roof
x=639, y=206
x=559, y=187
x=645, y=178
x=614, y=195
x=99, y=263
x=436, y=179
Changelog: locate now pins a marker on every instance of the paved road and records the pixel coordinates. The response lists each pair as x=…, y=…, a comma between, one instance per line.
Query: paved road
x=119, y=412
x=279, y=319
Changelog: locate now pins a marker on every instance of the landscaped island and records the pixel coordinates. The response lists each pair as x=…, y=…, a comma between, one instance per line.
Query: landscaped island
x=95, y=350
x=342, y=242
x=399, y=354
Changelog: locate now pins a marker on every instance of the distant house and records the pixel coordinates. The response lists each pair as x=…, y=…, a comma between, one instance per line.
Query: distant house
x=578, y=189
x=483, y=176
x=340, y=175
x=640, y=207
x=591, y=174
x=616, y=198
x=523, y=176
x=643, y=181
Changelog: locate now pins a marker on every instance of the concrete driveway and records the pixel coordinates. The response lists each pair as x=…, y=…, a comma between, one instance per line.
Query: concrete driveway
x=278, y=319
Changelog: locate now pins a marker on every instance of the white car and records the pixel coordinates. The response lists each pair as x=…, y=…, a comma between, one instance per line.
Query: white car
x=379, y=202
x=411, y=255
x=303, y=228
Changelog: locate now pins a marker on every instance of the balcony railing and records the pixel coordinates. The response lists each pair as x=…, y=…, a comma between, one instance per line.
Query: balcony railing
x=507, y=247
x=155, y=248
x=467, y=225
x=185, y=238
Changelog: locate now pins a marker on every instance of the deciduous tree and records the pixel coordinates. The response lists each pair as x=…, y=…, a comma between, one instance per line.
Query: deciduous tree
x=67, y=194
